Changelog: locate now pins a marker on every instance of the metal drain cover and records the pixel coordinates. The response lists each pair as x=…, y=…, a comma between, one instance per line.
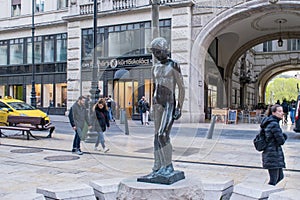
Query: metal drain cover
x=26, y=150
x=61, y=158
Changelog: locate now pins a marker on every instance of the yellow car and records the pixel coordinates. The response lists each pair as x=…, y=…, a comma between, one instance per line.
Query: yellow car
x=11, y=106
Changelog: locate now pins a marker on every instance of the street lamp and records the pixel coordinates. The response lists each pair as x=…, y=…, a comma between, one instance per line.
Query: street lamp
x=33, y=94
x=94, y=85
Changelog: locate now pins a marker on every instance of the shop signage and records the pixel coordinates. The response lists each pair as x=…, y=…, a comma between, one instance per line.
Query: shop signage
x=120, y=62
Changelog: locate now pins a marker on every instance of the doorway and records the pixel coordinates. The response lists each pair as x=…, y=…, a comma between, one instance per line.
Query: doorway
x=126, y=96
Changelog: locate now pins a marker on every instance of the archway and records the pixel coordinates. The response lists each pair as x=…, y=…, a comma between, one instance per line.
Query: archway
x=238, y=29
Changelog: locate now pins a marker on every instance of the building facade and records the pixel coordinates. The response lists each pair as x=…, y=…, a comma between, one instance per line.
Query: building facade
x=215, y=42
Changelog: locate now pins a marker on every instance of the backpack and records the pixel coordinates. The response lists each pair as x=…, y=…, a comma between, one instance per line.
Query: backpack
x=259, y=141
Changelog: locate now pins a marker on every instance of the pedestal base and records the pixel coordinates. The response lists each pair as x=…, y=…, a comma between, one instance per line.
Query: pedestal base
x=186, y=189
x=159, y=179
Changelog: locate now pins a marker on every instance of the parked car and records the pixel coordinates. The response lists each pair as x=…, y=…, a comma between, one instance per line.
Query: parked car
x=11, y=106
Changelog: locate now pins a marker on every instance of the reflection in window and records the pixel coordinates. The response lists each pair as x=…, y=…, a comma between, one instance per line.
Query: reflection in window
x=3, y=52
x=124, y=40
x=88, y=45
x=39, y=5
x=49, y=49
x=61, y=47
x=16, y=51
x=293, y=44
x=15, y=7
x=37, y=50
x=62, y=4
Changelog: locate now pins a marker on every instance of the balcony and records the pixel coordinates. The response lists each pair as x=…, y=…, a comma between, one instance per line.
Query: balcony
x=87, y=6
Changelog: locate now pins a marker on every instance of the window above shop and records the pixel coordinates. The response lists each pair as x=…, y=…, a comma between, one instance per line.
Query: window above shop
x=15, y=8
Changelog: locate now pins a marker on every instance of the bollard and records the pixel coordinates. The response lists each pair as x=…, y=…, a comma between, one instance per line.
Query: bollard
x=123, y=120
x=122, y=114
x=126, y=123
x=211, y=127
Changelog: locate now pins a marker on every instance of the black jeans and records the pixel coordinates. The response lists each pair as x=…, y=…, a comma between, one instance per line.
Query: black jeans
x=276, y=175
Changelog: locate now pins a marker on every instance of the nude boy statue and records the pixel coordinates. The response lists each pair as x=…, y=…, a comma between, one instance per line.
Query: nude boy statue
x=166, y=76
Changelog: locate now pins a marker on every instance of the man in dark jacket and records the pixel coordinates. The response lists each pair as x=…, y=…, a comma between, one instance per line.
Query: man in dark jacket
x=272, y=156
x=78, y=116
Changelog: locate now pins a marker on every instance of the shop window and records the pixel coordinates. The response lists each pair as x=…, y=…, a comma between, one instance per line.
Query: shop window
x=3, y=52
x=39, y=5
x=212, y=96
x=15, y=8
x=62, y=4
x=16, y=51
x=48, y=100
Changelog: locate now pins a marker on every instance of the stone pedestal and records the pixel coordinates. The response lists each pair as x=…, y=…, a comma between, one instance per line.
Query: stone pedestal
x=217, y=188
x=185, y=189
x=167, y=179
x=291, y=194
x=106, y=189
x=68, y=191
x=252, y=191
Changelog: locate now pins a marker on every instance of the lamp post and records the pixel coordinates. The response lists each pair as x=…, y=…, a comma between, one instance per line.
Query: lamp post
x=155, y=18
x=33, y=93
x=94, y=86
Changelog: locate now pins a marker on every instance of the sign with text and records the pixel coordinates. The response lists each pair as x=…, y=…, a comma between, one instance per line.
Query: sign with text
x=121, y=62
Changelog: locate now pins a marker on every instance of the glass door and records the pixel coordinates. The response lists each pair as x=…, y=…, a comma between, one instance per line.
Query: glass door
x=126, y=96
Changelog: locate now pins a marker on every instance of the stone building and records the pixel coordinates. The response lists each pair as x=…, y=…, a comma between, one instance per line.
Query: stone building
x=227, y=50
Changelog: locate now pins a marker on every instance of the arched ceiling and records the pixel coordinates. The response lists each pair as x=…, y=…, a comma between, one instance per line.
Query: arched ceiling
x=252, y=23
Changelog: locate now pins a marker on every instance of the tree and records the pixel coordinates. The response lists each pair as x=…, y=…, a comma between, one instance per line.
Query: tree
x=280, y=88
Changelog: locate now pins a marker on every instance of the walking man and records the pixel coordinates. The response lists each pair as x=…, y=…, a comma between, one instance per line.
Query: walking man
x=78, y=116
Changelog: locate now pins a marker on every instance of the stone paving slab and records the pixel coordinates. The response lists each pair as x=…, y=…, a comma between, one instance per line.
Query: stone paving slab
x=196, y=156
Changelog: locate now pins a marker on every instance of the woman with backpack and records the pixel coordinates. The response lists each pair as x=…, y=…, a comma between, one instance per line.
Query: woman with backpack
x=273, y=156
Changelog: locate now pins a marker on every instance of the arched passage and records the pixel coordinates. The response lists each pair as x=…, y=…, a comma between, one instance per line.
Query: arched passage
x=237, y=29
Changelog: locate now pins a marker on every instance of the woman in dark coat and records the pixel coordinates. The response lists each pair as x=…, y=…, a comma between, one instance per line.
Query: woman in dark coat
x=272, y=156
x=102, y=121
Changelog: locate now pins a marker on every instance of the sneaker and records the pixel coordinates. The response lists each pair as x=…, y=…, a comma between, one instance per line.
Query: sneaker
x=97, y=149
x=79, y=152
x=74, y=150
x=105, y=149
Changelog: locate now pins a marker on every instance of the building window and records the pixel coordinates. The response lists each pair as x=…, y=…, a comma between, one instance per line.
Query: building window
x=39, y=5
x=61, y=47
x=37, y=50
x=3, y=52
x=87, y=43
x=49, y=48
x=16, y=51
x=124, y=40
x=293, y=44
x=62, y=4
x=15, y=8
x=267, y=46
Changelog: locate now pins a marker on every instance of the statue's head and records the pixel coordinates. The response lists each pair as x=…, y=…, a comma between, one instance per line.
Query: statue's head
x=159, y=48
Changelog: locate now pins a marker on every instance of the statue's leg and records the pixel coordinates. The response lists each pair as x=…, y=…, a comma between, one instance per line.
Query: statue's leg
x=164, y=140
x=158, y=157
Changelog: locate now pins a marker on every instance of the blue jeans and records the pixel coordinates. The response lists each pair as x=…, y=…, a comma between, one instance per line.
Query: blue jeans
x=77, y=139
x=292, y=115
x=111, y=117
x=100, y=139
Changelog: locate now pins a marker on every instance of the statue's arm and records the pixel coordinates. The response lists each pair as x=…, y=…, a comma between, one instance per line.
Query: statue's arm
x=181, y=90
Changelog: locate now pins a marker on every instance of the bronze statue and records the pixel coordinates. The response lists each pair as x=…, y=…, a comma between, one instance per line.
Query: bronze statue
x=166, y=76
